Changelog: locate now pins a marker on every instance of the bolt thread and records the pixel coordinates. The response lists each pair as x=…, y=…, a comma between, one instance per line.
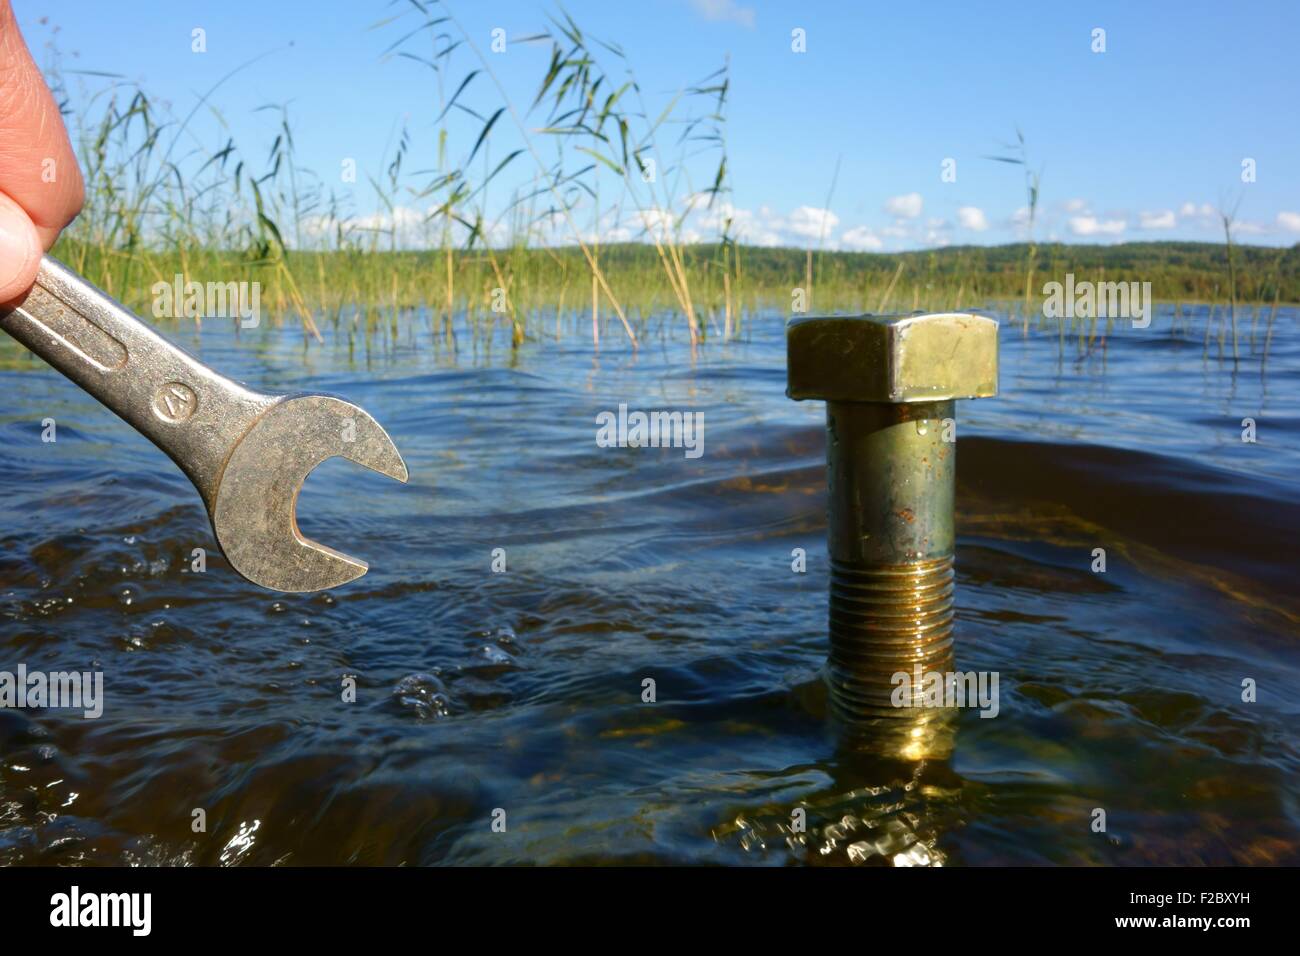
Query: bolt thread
x=887, y=619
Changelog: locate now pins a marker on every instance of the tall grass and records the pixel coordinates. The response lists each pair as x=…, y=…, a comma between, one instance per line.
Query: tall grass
x=1033, y=178
x=600, y=186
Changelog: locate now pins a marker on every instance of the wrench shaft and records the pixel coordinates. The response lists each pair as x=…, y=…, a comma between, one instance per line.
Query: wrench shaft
x=191, y=412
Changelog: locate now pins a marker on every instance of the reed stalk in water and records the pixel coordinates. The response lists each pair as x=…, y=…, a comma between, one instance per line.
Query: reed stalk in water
x=163, y=202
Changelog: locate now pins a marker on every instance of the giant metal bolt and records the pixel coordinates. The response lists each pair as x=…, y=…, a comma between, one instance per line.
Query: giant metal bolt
x=890, y=383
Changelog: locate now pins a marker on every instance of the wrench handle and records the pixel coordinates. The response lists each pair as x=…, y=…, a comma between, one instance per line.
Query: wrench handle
x=191, y=412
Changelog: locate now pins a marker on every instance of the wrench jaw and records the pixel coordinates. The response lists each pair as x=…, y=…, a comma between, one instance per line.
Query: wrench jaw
x=193, y=414
x=254, y=509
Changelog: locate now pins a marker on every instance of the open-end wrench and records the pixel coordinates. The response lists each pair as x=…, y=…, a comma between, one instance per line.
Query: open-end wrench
x=247, y=452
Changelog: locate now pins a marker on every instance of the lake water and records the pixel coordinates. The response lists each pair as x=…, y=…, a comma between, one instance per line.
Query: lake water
x=516, y=697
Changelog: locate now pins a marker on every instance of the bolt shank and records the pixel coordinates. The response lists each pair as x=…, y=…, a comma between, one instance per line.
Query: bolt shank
x=891, y=477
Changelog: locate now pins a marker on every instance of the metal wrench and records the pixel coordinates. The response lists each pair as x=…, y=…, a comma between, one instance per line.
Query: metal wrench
x=247, y=452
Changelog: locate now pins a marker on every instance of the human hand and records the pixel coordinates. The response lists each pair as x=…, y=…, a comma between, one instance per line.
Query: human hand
x=41, y=190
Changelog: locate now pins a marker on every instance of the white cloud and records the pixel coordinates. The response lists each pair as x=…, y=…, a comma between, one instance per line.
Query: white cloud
x=972, y=218
x=905, y=207
x=1163, y=219
x=1191, y=209
x=1290, y=221
x=725, y=11
x=1092, y=226
x=1075, y=205
x=762, y=226
x=411, y=228
x=812, y=223
x=657, y=222
x=861, y=238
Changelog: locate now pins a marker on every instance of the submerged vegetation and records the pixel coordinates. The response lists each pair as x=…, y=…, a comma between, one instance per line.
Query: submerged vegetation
x=607, y=197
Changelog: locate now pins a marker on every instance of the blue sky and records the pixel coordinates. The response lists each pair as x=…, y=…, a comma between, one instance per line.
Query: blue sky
x=1143, y=141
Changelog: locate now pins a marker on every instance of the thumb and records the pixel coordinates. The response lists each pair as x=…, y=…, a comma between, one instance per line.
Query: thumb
x=20, y=251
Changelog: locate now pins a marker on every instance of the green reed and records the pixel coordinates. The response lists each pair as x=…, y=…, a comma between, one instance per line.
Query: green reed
x=587, y=150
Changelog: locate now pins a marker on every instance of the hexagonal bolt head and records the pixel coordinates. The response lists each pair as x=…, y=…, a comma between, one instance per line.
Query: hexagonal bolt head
x=892, y=358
